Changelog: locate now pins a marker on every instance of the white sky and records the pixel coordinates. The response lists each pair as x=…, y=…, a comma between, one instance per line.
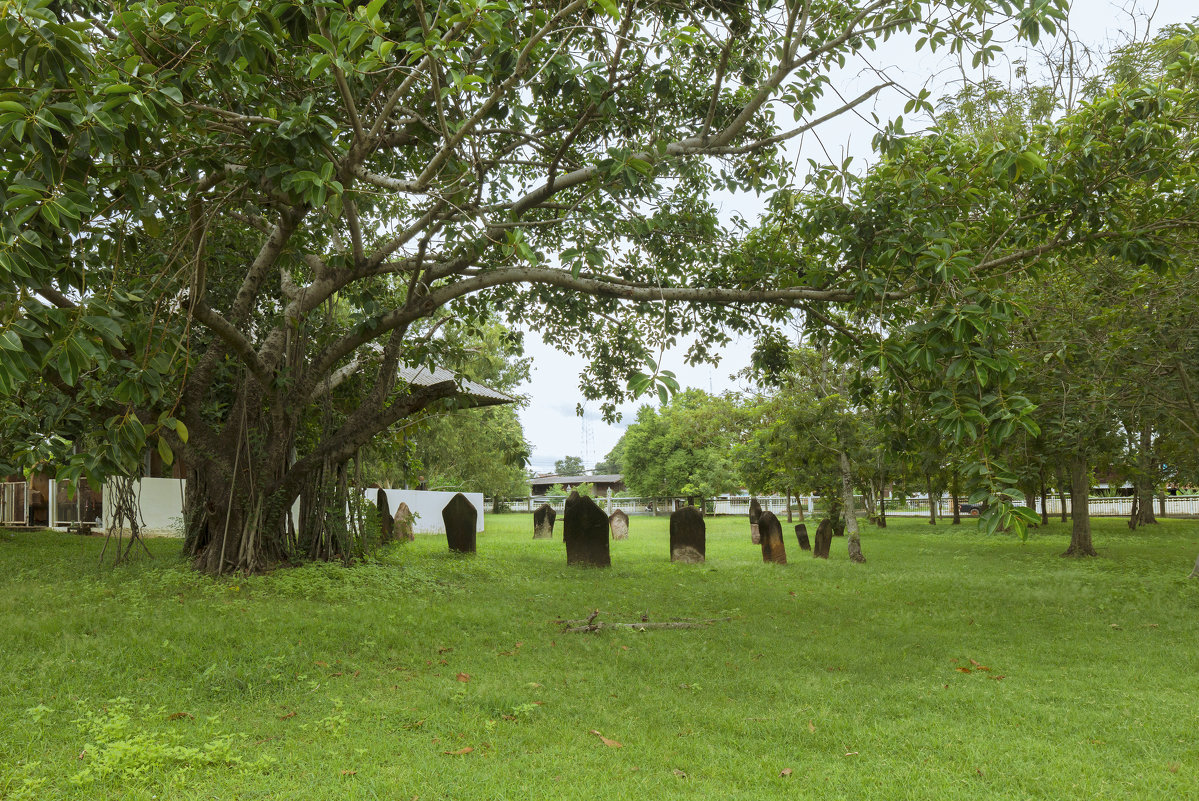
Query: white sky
x=550, y=421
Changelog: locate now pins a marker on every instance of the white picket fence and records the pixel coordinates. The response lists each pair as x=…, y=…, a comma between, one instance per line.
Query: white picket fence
x=1175, y=505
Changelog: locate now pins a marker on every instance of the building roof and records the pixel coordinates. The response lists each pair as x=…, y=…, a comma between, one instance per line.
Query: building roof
x=608, y=478
x=479, y=394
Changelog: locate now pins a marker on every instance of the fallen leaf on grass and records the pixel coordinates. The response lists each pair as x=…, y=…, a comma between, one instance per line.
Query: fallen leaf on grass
x=348, y=772
x=319, y=663
x=999, y=678
x=963, y=670
x=606, y=741
x=785, y=771
x=1173, y=767
x=1115, y=626
x=178, y=716
x=463, y=677
x=679, y=773
x=459, y=752
x=291, y=714
x=851, y=753
x=445, y=649
x=811, y=727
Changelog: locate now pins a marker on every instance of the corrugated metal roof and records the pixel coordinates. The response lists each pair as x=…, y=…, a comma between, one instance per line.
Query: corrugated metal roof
x=610, y=478
x=482, y=395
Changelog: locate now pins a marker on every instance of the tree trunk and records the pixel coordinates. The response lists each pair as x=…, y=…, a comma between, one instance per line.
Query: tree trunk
x=932, y=504
x=788, y=504
x=955, y=499
x=854, y=540
x=1080, y=512
x=1061, y=490
x=1044, y=501
x=1142, y=482
x=882, y=510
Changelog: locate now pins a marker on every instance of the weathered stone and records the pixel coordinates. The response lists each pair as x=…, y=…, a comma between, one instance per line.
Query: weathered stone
x=755, y=514
x=801, y=534
x=543, y=522
x=585, y=532
x=618, y=522
x=824, y=539
x=405, y=523
x=460, y=517
x=386, y=523
x=773, y=547
x=688, y=535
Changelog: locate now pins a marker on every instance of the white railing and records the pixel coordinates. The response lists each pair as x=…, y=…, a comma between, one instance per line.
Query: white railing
x=1176, y=505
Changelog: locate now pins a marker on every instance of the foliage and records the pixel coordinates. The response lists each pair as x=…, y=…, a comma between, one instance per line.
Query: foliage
x=682, y=449
x=228, y=225
x=570, y=466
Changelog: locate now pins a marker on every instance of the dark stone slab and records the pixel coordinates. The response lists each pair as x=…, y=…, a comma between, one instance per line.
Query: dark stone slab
x=386, y=523
x=405, y=523
x=618, y=522
x=688, y=535
x=585, y=532
x=824, y=540
x=773, y=547
x=801, y=534
x=543, y=522
x=460, y=517
x=755, y=514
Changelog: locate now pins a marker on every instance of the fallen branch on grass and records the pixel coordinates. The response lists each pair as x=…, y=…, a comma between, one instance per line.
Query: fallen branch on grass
x=590, y=624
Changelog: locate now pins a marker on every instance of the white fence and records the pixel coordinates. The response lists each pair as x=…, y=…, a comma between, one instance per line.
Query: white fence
x=427, y=506
x=1175, y=505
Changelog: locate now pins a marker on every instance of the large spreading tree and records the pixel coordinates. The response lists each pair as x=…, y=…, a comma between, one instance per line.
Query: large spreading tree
x=229, y=225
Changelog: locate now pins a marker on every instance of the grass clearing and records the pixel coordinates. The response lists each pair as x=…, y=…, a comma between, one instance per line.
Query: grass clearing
x=952, y=664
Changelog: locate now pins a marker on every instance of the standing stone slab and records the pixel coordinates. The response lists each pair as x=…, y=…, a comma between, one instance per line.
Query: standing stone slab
x=386, y=523
x=585, y=532
x=755, y=516
x=773, y=547
x=405, y=523
x=824, y=539
x=688, y=535
x=543, y=522
x=618, y=522
x=801, y=534
x=460, y=517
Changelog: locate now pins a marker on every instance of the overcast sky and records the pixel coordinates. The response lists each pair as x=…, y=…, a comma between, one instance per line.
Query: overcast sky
x=550, y=421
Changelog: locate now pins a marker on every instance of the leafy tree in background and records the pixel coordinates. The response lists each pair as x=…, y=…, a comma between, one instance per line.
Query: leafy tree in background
x=683, y=449
x=570, y=466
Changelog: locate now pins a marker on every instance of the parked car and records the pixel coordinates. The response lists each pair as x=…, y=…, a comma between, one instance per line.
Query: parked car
x=972, y=509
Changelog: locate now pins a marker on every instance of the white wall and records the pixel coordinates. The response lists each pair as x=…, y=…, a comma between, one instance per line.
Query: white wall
x=427, y=506
x=161, y=502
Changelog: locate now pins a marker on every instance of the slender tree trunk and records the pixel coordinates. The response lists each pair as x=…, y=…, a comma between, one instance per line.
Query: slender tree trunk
x=1044, y=501
x=1080, y=512
x=955, y=499
x=932, y=503
x=788, y=504
x=1061, y=490
x=854, y=540
x=882, y=510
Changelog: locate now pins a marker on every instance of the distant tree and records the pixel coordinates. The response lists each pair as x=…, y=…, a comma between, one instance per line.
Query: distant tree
x=570, y=466
x=683, y=449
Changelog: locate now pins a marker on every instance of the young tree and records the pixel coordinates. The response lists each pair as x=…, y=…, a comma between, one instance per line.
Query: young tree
x=570, y=466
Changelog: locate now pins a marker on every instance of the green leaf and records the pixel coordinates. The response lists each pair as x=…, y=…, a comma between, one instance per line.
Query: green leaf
x=164, y=450
x=181, y=430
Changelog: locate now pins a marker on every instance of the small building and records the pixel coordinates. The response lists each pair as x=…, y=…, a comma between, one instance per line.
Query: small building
x=611, y=482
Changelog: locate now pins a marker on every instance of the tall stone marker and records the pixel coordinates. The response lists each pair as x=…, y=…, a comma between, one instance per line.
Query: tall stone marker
x=824, y=539
x=687, y=535
x=618, y=522
x=460, y=517
x=585, y=532
x=755, y=516
x=773, y=547
x=801, y=534
x=405, y=523
x=386, y=522
x=543, y=522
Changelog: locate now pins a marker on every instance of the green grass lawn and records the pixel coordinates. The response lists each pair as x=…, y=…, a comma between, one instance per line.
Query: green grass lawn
x=951, y=665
